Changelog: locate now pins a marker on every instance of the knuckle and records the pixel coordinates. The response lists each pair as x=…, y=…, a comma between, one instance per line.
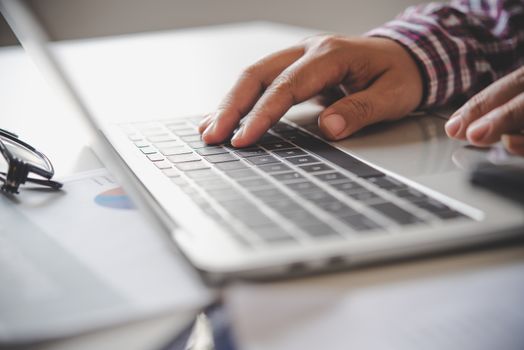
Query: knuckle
x=251, y=72
x=360, y=109
x=518, y=78
x=329, y=43
x=285, y=84
x=511, y=114
x=476, y=106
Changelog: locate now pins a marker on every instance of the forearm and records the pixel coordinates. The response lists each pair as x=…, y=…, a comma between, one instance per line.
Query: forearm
x=462, y=46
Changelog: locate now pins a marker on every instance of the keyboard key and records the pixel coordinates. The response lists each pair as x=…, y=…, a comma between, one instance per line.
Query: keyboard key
x=180, y=158
x=177, y=125
x=321, y=230
x=151, y=131
x=261, y=160
x=242, y=174
x=278, y=145
x=203, y=174
x=210, y=150
x=431, y=205
x=386, y=182
x=142, y=143
x=148, y=150
x=238, y=205
x=231, y=165
x=359, y=222
x=315, y=168
x=197, y=144
x=348, y=187
x=267, y=139
x=169, y=144
x=155, y=157
x=293, y=152
x=161, y=138
x=365, y=196
x=288, y=176
x=224, y=194
x=410, y=194
x=272, y=234
x=302, y=217
x=437, y=208
x=213, y=184
x=268, y=195
x=221, y=158
x=449, y=214
x=135, y=137
x=254, y=219
x=191, y=138
x=254, y=183
x=282, y=127
x=318, y=197
x=190, y=166
x=302, y=160
x=303, y=187
x=283, y=205
x=250, y=152
x=173, y=151
x=299, y=137
x=163, y=164
x=332, y=177
x=185, y=132
x=396, y=213
x=179, y=181
x=274, y=168
x=337, y=208
x=334, y=155
x=172, y=172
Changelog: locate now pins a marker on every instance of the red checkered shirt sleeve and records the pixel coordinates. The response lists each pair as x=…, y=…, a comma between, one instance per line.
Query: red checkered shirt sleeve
x=460, y=46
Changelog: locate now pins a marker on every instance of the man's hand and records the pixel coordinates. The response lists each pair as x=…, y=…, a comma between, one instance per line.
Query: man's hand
x=494, y=114
x=377, y=77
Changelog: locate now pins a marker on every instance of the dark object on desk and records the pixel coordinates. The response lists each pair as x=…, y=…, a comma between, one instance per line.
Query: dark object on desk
x=23, y=159
x=506, y=179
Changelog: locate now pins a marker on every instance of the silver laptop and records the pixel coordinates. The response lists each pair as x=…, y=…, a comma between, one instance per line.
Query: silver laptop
x=293, y=203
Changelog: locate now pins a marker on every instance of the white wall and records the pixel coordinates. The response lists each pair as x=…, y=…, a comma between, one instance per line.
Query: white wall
x=85, y=18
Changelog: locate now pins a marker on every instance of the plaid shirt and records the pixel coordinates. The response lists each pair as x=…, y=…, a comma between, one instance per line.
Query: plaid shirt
x=462, y=46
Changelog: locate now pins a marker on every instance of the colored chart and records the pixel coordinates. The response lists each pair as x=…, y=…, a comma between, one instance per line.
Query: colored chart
x=114, y=198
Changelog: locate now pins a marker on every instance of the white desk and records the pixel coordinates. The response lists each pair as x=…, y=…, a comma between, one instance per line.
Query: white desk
x=183, y=72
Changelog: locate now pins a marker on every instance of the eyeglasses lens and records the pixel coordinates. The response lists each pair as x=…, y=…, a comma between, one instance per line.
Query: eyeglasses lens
x=24, y=153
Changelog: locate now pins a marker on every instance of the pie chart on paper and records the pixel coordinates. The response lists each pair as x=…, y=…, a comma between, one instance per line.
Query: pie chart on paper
x=114, y=198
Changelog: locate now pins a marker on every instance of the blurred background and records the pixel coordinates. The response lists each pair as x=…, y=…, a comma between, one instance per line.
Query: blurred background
x=73, y=19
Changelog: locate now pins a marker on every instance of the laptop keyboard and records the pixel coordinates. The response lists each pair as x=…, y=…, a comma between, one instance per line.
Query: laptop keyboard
x=291, y=187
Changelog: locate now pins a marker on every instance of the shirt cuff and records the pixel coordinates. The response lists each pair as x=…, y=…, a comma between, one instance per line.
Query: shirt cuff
x=412, y=41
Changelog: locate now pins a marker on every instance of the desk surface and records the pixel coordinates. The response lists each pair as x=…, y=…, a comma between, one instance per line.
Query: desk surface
x=183, y=72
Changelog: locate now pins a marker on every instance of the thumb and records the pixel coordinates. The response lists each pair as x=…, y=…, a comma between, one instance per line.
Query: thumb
x=346, y=116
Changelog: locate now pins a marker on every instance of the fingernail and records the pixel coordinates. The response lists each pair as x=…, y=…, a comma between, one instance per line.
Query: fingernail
x=204, y=120
x=335, y=124
x=209, y=129
x=453, y=125
x=478, y=131
x=238, y=134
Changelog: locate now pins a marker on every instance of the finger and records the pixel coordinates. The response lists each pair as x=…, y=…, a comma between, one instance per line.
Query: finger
x=204, y=123
x=381, y=101
x=246, y=92
x=485, y=101
x=506, y=119
x=297, y=83
x=514, y=144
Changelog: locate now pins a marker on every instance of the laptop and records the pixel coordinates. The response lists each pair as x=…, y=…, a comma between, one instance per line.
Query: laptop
x=292, y=203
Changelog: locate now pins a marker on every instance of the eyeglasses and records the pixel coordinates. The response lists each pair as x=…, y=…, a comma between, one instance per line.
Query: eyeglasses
x=23, y=159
